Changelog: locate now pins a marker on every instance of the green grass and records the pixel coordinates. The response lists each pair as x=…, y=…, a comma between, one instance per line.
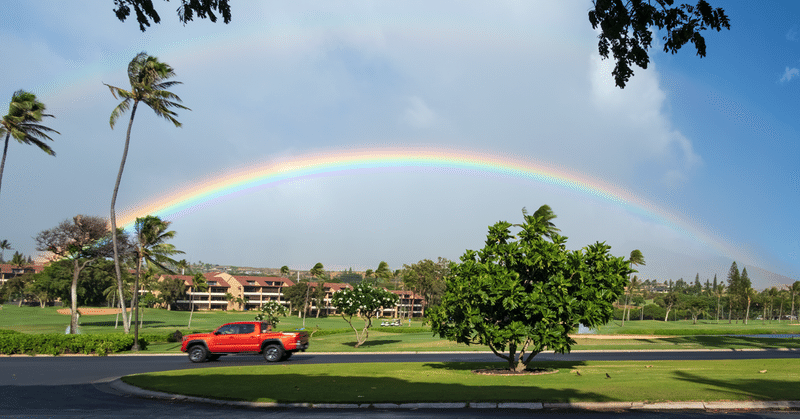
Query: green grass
x=652, y=381
x=703, y=327
x=333, y=334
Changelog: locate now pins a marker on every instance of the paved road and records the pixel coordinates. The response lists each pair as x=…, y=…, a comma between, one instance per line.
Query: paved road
x=75, y=386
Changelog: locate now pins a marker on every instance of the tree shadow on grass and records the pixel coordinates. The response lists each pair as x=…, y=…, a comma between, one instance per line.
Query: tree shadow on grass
x=469, y=366
x=373, y=342
x=343, y=388
x=756, y=388
x=727, y=342
x=111, y=323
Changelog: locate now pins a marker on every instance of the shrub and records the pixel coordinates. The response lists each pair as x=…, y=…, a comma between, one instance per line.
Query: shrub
x=57, y=344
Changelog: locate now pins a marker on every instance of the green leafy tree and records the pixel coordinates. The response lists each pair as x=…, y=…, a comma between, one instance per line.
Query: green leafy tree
x=270, y=311
x=14, y=288
x=363, y=301
x=794, y=290
x=22, y=122
x=170, y=289
x=521, y=294
x=82, y=240
x=284, y=271
x=383, y=274
x=626, y=29
x=427, y=278
x=667, y=301
x=296, y=296
x=148, y=78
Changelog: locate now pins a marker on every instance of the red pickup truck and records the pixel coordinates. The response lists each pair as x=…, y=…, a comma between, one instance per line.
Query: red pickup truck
x=243, y=337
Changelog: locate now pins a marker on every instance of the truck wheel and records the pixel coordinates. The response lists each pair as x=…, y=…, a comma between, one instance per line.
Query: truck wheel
x=198, y=353
x=273, y=353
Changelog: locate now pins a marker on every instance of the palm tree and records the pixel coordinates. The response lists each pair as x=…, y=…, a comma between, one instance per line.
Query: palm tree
x=317, y=272
x=199, y=284
x=4, y=245
x=794, y=289
x=148, y=79
x=18, y=260
x=636, y=259
x=285, y=271
x=182, y=265
x=22, y=122
x=546, y=216
x=153, y=250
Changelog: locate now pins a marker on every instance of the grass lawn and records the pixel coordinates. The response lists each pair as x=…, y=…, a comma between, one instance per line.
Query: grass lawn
x=335, y=335
x=651, y=381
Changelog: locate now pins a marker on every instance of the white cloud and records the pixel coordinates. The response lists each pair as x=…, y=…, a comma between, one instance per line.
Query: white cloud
x=634, y=122
x=791, y=35
x=418, y=114
x=789, y=74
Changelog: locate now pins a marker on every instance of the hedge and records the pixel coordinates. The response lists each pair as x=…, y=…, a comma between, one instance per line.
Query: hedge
x=58, y=344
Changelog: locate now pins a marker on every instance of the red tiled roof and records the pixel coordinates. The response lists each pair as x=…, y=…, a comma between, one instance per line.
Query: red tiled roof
x=9, y=268
x=263, y=281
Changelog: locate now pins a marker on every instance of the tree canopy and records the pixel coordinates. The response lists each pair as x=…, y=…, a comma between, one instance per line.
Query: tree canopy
x=522, y=294
x=626, y=29
x=146, y=12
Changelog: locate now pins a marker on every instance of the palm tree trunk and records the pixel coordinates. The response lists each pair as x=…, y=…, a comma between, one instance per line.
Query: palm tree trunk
x=191, y=309
x=135, y=303
x=126, y=324
x=3, y=162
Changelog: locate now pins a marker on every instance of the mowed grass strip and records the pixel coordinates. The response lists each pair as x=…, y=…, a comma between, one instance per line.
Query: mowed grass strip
x=654, y=381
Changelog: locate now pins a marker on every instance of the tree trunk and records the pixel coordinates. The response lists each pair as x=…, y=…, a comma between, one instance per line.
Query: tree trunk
x=73, y=293
x=747, y=313
x=126, y=324
x=3, y=162
x=135, y=304
x=191, y=309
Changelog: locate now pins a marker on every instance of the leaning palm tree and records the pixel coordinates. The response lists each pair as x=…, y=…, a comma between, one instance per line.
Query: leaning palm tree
x=4, y=245
x=636, y=259
x=153, y=251
x=148, y=79
x=545, y=217
x=22, y=122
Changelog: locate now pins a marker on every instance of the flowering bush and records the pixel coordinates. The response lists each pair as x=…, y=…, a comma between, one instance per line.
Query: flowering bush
x=364, y=301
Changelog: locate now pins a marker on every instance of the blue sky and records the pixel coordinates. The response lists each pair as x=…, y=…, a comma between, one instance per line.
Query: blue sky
x=713, y=141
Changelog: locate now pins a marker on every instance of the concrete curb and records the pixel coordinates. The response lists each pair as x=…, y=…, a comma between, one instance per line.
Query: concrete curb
x=121, y=387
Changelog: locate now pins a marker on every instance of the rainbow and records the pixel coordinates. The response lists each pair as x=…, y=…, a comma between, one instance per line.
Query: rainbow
x=336, y=162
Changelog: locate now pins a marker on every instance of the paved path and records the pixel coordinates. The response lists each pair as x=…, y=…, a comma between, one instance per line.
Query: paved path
x=79, y=386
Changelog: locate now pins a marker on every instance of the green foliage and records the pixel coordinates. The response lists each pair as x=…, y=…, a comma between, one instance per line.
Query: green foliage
x=527, y=295
x=270, y=312
x=57, y=344
x=426, y=278
x=626, y=29
x=145, y=12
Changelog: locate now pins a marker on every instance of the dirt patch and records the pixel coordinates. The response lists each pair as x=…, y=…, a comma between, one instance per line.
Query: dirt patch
x=506, y=372
x=92, y=311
